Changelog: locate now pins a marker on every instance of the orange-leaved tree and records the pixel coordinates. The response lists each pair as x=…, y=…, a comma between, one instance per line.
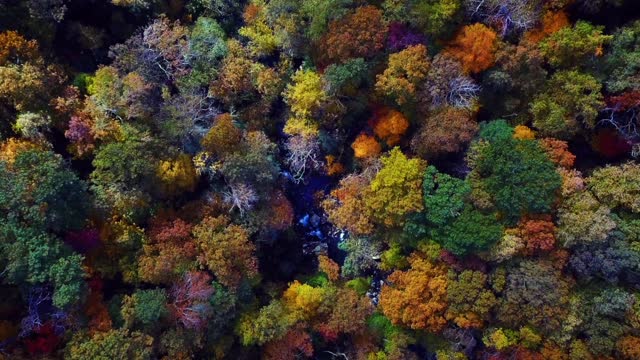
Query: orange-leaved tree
x=389, y=125
x=416, y=298
x=365, y=146
x=345, y=205
x=359, y=34
x=475, y=47
x=226, y=249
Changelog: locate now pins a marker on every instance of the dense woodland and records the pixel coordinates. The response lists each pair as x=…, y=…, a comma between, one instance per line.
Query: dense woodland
x=320, y=179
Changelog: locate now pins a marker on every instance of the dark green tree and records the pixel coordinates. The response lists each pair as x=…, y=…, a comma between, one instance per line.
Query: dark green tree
x=519, y=176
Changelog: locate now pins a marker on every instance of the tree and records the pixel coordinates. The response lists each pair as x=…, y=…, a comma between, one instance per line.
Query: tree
x=405, y=71
x=617, y=186
x=365, y=146
x=269, y=323
x=517, y=76
x=123, y=173
x=190, y=297
x=240, y=196
x=26, y=83
x=508, y=15
x=81, y=134
x=519, y=176
x=583, y=219
x=572, y=46
x=207, y=47
x=522, y=132
x=305, y=96
x=630, y=347
x=67, y=277
x=558, y=152
x=348, y=314
x=535, y=294
x=389, y=126
x=280, y=211
x=416, y=298
x=447, y=85
x=176, y=176
x=302, y=300
x=551, y=23
x=262, y=38
x=346, y=77
x=169, y=252
x=14, y=48
x=364, y=27
x=113, y=344
x=234, y=84
x=223, y=138
x=293, y=344
x=444, y=132
x=395, y=191
x=572, y=100
x=158, y=53
x=254, y=162
x=475, y=48
x=39, y=189
x=603, y=323
x=226, y=249
x=609, y=260
x=470, y=302
x=361, y=255
x=444, y=196
x=135, y=4
x=145, y=308
x=623, y=59
x=329, y=267
x=508, y=246
x=32, y=125
x=537, y=234
x=470, y=232
x=344, y=205
x=435, y=17
x=303, y=156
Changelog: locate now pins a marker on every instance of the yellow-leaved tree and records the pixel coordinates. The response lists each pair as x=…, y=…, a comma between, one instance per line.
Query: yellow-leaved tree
x=396, y=191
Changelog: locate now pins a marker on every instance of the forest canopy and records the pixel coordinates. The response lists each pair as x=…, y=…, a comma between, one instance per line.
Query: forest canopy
x=320, y=179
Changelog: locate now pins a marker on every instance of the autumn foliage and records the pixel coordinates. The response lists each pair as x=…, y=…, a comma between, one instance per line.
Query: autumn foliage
x=404, y=73
x=538, y=234
x=226, y=250
x=475, y=48
x=416, y=298
x=359, y=34
x=365, y=146
x=330, y=179
x=389, y=125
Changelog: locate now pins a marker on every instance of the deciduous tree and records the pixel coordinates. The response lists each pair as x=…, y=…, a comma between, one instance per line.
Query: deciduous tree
x=389, y=125
x=396, y=190
x=113, y=344
x=572, y=46
x=519, y=176
x=416, y=298
x=364, y=27
x=345, y=205
x=405, y=71
x=470, y=301
x=475, y=48
x=226, y=249
x=617, y=186
x=445, y=131
x=365, y=146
